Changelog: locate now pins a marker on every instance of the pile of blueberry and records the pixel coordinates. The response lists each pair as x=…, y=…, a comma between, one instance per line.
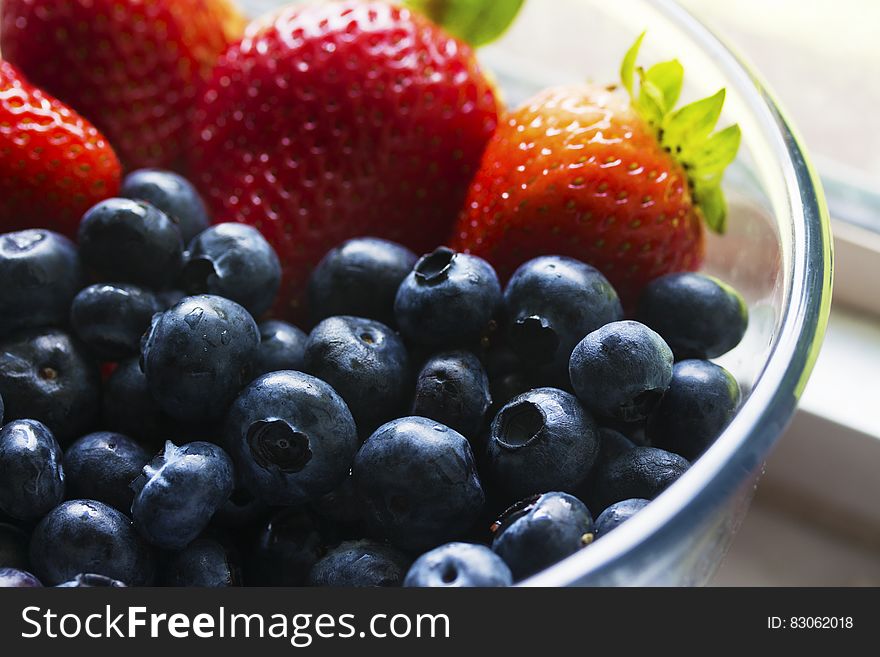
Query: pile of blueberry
x=432, y=428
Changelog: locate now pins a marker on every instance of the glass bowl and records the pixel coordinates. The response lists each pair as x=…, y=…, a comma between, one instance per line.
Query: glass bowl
x=777, y=252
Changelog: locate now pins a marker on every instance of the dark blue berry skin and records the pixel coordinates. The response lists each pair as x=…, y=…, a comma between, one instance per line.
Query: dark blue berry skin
x=359, y=277
x=621, y=370
x=542, y=440
x=179, y=491
x=457, y=565
x=550, y=304
x=130, y=409
x=49, y=376
x=339, y=512
x=235, y=261
x=291, y=436
x=102, y=465
x=282, y=347
x=172, y=194
x=453, y=389
x=2, y=410
x=616, y=514
x=13, y=547
x=611, y=444
x=40, y=274
x=641, y=472
x=13, y=578
x=131, y=242
x=86, y=536
x=418, y=483
x=698, y=315
x=91, y=581
x=285, y=551
x=33, y=479
x=362, y=563
x=111, y=318
x=242, y=509
x=204, y=563
x=701, y=400
x=169, y=298
x=447, y=300
x=366, y=363
x=197, y=356
x=537, y=533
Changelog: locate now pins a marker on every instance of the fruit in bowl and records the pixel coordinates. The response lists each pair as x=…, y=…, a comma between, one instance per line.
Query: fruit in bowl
x=506, y=343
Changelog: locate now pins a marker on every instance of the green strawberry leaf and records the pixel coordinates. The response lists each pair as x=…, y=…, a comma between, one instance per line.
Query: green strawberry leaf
x=714, y=207
x=692, y=124
x=627, y=67
x=686, y=133
x=477, y=22
x=665, y=81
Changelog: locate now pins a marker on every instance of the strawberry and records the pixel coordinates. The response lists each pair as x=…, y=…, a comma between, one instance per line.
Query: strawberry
x=54, y=165
x=338, y=120
x=132, y=67
x=625, y=185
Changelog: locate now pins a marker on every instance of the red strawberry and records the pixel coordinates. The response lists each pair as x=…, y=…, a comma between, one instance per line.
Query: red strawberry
x=133, y=67
x=338, y=120
x=54, y=165
x=579, y=171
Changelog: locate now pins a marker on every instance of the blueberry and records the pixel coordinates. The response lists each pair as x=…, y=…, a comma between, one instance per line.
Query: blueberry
x=339, y=511
x=540, y=531
x=178, y=492
x=204, y=563
x=459, y=565
x=542, y=440
x=702, y=399
x=13, y=578
x=611, y=444
x=131, y=242
x=242, y=509
x=41, y=274
x=282, y=347
x=418, y=483
x=48, y=376
x=33, y=476
x=91, y=581
x=291, y=436
x=169, y=298
x=617, y=514
x=197, y=356
x=286, y=549
x=86, y=536
x=359, y=277
x=641, y=472
x=111, y=318
x=129, y=407
x=365, y=362
x=360, y=564
x=102, y=465
x=550, y=304
x=698, y=315
x=235, y=261
x=13, y=547
x=453, y=389
x=172, y=194
x=447, y=300
x=2, y=410
x=621, y=370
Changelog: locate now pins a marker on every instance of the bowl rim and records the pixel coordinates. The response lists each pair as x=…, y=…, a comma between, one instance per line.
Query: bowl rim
x=737, y=456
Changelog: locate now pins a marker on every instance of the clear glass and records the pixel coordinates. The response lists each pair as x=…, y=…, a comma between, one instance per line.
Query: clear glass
x=777, y=252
